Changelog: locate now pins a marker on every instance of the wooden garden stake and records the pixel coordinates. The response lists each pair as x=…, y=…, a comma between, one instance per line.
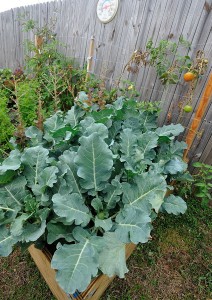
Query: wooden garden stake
x=198, y=116
x=38, y=42
x=90, y=57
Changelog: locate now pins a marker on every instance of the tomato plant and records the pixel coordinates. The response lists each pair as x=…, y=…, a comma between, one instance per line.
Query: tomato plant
x=161, y=57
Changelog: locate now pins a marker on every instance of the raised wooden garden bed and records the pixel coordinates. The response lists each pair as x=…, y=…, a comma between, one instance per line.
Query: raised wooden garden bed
x=94, y=291
x=99, y=284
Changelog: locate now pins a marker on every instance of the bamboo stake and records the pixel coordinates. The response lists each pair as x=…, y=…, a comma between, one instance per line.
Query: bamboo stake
x=198, y=116
x=90, y=57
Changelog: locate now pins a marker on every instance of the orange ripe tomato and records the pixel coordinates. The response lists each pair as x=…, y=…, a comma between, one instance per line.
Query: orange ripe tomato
x=189, y=76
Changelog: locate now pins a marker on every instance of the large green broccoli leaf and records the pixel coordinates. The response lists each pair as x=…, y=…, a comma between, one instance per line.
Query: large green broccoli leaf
x=7, y=241
x=89, y=126
x=174, y=166
x=35, y=135
x=57, y=230
x=133, y=226
x=68, y=171
x=17, y=226
x=114, y=130
x=30, y=227
x=146, y=142
x=148, y=120
x=48, y=177
x=77, y=263
x=72, y=208
x=105, y=224
x=12, y=198
x=128, y=148
x=147, y=188
x=94, y=161
x=12, y=162
x=174, y=205
x=34, y=160
x=167, y=152
x=112, y=259
x=113, y=192
x=132, y=123
x=73, y=116
x=170, y=130
x=102, y=116
x=145, y=152
x=177, y=148
x=51, y=125
x=37, y=172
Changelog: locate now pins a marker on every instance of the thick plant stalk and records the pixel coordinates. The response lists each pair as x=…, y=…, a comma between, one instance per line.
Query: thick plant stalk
x=39, y=122
x=198, y=116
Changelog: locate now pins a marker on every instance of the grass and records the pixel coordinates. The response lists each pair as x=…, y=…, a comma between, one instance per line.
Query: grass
x=176, y=264
x=20, y=279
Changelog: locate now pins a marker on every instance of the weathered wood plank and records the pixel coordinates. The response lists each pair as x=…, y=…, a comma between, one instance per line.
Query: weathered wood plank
x=95, y=289
x=42, y=261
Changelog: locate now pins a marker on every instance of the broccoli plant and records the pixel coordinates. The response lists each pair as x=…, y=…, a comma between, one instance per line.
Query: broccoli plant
x=88, y=184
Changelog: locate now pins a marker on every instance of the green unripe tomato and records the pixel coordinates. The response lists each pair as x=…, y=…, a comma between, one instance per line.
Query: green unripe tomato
x=187, y=108
x=101, y=215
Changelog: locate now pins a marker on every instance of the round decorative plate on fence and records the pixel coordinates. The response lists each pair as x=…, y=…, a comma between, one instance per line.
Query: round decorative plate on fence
x=106, y=10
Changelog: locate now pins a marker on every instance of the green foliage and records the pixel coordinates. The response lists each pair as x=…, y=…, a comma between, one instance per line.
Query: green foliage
x=49, y=82
x=88, y=184
x=203, y=182
x=167, y=60
x=128, y=89
x=59, y=78
x=97, y=94
x=6, y=128
x=197, y=186
x=5, y=76
x=174, y=205
x=153, y=107
x=27, y=94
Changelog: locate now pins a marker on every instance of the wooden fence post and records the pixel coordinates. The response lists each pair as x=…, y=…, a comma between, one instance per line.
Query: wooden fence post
x=198, y=116
x=90, y=57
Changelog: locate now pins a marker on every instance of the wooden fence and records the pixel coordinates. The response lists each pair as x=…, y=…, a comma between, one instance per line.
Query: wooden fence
x=135, y=23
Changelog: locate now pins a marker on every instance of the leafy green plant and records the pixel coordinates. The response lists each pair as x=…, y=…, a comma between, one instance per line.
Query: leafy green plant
x=128, y=89
x=152, y=107
x=5, y=77
x=167, y=60
x=203, y=182
x=6, y=128
x=91, y=182
x=27, y=93
x=165, y=57
x=48, y=82
x=198, y=185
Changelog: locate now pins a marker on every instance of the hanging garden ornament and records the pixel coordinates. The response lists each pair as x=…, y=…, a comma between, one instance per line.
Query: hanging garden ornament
x=106, y=10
